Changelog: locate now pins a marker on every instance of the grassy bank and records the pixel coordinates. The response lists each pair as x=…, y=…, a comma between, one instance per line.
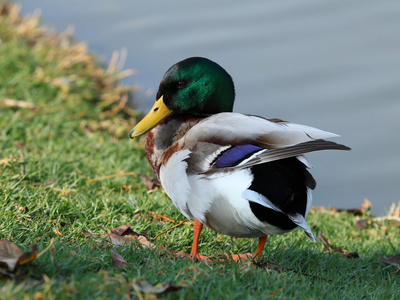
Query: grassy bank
x=67, y=167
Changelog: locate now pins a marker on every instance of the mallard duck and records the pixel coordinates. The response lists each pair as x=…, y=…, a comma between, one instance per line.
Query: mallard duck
x=239, y=175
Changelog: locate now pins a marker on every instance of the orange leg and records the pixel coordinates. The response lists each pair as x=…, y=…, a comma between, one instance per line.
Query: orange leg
x=257, y=254
x=194, y=254
x=261, y=244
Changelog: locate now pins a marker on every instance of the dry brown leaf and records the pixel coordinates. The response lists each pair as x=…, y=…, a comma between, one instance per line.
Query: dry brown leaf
x=88, y=234
x=365, y=206
x=393, y=215
x=363, y=223
x=19, y=104
x=118, y=260
x=354, y=211
x=58, y=232
x=350, y=254
x=127, y=188
x=391, y=260
x=6, y=161
x=396, y=211
x=327, y=245
x=124, y=233
x=325, y=242
x=12, y=256
x=274, y=294
x=127, y=239
x=21, y=208
x=150, y=182
x=121, y=236
x=123, y=230
x=146, y=287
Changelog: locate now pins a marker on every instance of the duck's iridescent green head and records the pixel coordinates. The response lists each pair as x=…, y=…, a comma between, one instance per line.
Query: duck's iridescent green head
x=195, y=85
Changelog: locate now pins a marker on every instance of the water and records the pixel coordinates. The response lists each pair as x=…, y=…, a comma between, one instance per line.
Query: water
x=334, y=65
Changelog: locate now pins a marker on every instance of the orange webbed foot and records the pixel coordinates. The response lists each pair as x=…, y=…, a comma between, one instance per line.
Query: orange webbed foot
x=196, y=258
x=243, y=257
x=194, y=254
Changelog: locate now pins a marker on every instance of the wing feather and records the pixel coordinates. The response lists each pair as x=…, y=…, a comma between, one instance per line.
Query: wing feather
x=212, y=142
x=240, y=129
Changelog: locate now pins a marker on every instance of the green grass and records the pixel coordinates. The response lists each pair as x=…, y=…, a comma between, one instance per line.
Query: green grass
x=48, y=155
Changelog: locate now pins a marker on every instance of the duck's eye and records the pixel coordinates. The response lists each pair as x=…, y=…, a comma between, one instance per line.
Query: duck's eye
x=181, y=85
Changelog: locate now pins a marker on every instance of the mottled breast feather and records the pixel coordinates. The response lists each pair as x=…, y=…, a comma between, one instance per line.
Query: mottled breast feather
x=166, y=138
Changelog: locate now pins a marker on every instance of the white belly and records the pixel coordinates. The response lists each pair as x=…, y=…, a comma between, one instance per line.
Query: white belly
x=217, y=202
x=230, y=213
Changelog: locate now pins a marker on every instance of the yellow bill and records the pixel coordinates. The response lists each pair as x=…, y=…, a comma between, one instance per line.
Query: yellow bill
x=158, y=112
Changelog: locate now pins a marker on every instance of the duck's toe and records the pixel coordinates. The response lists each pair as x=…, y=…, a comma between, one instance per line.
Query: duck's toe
x=196, y=257
x=239, y=257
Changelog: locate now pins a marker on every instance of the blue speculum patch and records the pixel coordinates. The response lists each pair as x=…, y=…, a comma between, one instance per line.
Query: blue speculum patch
x=235, y=155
